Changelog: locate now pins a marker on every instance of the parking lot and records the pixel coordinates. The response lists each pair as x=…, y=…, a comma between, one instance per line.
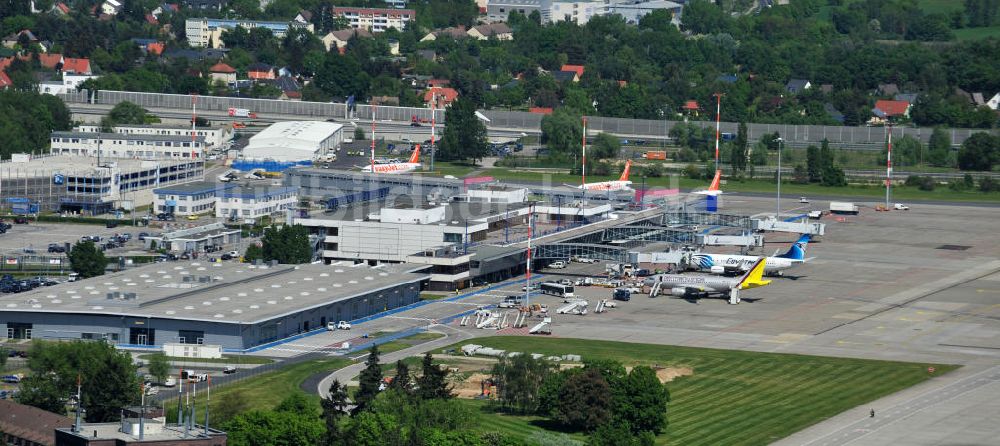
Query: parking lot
x=37, y=236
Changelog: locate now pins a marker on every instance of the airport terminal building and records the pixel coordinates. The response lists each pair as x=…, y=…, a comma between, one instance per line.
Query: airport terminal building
x=235, y=305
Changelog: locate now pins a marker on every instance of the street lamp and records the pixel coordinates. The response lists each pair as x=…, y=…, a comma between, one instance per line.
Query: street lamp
x=777, y=209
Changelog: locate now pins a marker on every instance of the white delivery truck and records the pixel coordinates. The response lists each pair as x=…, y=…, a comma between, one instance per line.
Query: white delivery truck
x=842, y=207
x=241, y=113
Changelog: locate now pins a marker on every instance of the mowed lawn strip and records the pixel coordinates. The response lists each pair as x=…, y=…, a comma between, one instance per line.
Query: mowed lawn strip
x=263, y=391
x=733, y=397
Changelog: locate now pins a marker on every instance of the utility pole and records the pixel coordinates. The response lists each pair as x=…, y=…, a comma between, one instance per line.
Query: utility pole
x=373, y=142
x=527, y=272
x=433, y=126
x=584, y=165
x=777, y=209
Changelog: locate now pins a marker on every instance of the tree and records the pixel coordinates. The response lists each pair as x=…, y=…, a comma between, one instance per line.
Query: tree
x=159, y=366
x=618, y=434
x=644, y=401
x=584, y=401
x=359, y=133
x=939, y=148
x=813, y=167
x=518, y=380
x=980, y=152
x=3, y=357
x=334, y=407
x=739, y=154
x=432, y=383
x=107, y=376
x=562, y=131
x=368, y=382
x=253, y=253
x=229, y=406
x=465, y=135
x=342, y=76
x=288, y=424
x=402, y=382
x=606, y=146
x=126, y=112
x=832, y=175
x=86, y=260
x=288, y=244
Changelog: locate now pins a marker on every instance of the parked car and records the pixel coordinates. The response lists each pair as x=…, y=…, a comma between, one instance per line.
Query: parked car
x=901, y=207
x=143, y=235
x=343, y=325
x=229, y=370
x=558, y=264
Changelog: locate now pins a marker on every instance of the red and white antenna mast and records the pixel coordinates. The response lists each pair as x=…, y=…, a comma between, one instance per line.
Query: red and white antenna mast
x=888, y=168
x=373, y=140
x=584, y=142
x=527, y=270
x=194, y=119
x=718, y=116
x=433, y=126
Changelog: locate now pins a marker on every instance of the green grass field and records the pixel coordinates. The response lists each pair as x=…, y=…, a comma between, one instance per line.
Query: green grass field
x=228, y=359
x=266, y=390
x=733, y=397
x=409, y=341
x=940, y=6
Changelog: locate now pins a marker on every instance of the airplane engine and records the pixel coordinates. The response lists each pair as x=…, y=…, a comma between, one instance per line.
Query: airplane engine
x=716, y=269
x=679, y=291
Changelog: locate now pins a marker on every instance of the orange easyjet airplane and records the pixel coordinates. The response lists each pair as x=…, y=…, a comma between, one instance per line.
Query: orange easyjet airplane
x=713, y=189
x=621, y=183
x=409, y=166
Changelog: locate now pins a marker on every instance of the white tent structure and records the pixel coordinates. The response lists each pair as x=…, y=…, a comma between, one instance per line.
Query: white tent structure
x=292, y=141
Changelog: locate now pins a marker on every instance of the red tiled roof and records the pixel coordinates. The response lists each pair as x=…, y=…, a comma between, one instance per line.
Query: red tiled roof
x=691, y=105
x=578, y=69
x=623, y=83
x=222, y=67
x=4, y=80
x=50, y=61
x=892, y=108
x=541, y=110
x=151, y=19
x=74, y=65
x=62, y=7
x=444, y=94
x=5, y=62
x=155, y=48
x=438, y=82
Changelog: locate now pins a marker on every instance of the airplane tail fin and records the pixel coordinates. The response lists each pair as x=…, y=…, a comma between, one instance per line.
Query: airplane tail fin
x=625, y=173
x=715, y=181
x=798, y=249
x=755, y=277
x=415, y=157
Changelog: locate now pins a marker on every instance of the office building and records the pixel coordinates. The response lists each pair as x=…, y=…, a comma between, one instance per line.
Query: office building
x=121, y=145
x=205, y=32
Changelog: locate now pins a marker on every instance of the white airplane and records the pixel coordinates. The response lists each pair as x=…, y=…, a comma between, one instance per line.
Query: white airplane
x=713, y=189
x=393, y=168
x=692, y=287
x=774, y=265
x=622, y=183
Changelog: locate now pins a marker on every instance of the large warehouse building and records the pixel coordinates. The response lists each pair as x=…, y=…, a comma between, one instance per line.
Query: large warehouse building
x=294, y=142
x=235, y=305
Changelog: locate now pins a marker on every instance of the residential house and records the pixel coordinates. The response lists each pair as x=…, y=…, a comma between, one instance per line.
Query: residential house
x=978, y=100
x=796, y=86
x=260, y=71
x=499, y=31
x=430, y=55
x=457, y=32
x=691, y=107
x=21, y=424
x=885, y=110
x=69, y=83
x=14, y=39
x=833, y=113
x=60, y=9
x=394, y=47
x=438, y=83
x=290, y=88
x=994, y=102
x=440, y=96
x=111, y=7
x=5, y=80
x=303, y=17
x=826, y=88
x=908, y=97
x=540, y=110
x=338, y=39
x=72, y=65
x=887, y=90
x=565, y=76
x=376, y=19
x=213, y=5
x=50, y=61
x=222, y=72
x=577, y=69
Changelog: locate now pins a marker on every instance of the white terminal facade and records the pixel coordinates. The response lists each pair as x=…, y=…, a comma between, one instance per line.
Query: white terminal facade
x=118, y=145
x=215, y=137
x=252, y=202
x=293, y=141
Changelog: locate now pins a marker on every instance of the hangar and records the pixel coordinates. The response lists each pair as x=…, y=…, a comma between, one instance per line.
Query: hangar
x=294, y=141
x=235, y=305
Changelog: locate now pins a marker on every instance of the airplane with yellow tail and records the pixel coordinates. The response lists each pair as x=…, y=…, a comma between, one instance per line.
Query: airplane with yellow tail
x=696, y=286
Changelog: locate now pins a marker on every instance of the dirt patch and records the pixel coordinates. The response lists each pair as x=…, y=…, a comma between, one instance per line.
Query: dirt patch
x=671, y=373
x=470, y=387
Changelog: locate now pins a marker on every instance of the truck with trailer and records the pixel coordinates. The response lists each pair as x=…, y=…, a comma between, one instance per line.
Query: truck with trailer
x=242, y=113
x=843, y=207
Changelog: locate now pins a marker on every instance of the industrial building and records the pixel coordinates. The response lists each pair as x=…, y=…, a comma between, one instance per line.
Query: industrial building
x=215, y=137
x=78, y=184
x=194, y=239
x=119, y=145
x=233, y=305
x=253, y=202
x=193, y=198
x=294, y=141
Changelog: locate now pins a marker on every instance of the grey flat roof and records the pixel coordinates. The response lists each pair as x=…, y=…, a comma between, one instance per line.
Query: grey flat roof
x=81, y=164
x=127, y=136
x=238, y=293
x=457, y=211
x=256, y=191
x=197, y=187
